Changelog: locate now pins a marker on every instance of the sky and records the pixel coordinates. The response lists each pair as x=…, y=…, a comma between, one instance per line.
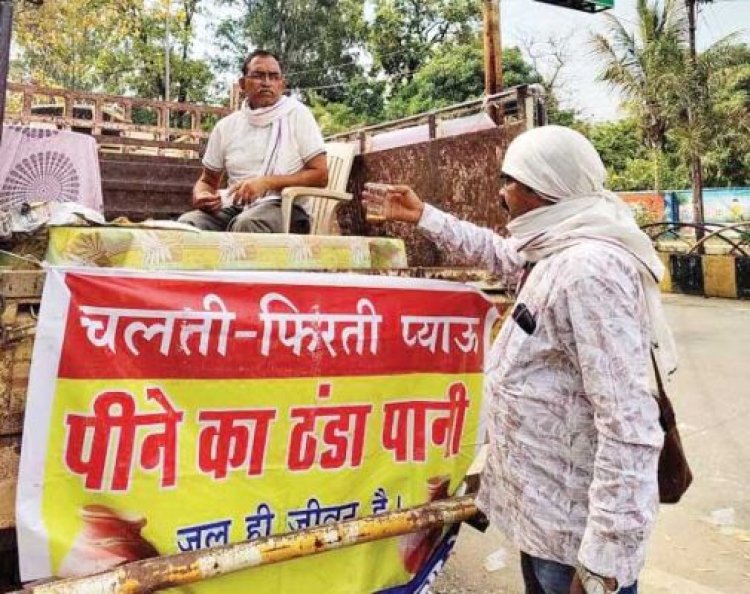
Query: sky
x=522, y=19
x=593, y=100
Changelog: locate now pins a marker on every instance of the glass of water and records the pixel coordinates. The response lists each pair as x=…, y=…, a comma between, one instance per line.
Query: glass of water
x=377, y=202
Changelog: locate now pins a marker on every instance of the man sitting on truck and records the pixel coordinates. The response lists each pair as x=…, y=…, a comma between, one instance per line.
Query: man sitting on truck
x=271, y=143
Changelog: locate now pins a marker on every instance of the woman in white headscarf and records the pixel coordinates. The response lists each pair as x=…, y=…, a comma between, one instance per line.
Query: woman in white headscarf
x=571, y=474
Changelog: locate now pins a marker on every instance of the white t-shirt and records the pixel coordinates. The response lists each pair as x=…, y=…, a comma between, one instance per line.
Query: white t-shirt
x=239, y=148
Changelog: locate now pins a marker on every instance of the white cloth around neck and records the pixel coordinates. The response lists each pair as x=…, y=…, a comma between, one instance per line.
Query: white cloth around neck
x=563, y=165
x=276, y=116
x=263, y=116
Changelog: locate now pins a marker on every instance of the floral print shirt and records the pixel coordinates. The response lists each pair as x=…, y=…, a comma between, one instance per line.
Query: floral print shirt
x=574, y=434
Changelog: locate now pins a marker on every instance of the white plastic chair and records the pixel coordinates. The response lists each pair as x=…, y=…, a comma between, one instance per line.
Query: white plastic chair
x=323, y=203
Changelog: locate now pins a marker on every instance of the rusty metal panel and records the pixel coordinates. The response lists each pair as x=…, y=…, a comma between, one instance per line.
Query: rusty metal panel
x=412, y=165
x=141, y=187
x=457, y=174
x=469, y=165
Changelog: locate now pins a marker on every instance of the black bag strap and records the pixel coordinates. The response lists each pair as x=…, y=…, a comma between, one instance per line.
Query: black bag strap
x=659, y=382
x=667, y=418
x=527, y=268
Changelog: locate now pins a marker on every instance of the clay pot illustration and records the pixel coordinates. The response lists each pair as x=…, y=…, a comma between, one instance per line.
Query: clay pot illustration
x=415, y=548
x=108, y=539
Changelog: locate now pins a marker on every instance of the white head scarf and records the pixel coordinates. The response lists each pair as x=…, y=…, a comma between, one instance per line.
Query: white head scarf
x=565, y=168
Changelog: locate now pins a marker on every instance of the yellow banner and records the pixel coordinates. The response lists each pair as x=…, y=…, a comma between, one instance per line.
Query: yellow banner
x=153, y=429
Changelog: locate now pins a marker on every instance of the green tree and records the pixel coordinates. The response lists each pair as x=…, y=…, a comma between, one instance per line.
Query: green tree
x=641, y=66
x=144, y=64
x=363, y=104
x=711, y=115
x=335, y=117
x=618, y=143
x=318, y=41
x=64, y=42
x=112, y=45
x=695, y=105
x=727, y=158
x=455, y=74
x=405, y=33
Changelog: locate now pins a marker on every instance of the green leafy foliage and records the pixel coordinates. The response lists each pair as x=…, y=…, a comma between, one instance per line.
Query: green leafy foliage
x=454, y=74
x=117, y=46
x=406, y=34
x=318, y=41
x=691, y=113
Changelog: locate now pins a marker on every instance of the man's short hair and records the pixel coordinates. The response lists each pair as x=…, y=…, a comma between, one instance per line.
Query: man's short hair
x=259, y=53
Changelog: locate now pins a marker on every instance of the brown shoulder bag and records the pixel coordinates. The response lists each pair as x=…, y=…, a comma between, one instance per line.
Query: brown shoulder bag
x=674, y=471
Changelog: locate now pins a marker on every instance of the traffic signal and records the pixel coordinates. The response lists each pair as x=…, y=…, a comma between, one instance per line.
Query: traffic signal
x=584, y=5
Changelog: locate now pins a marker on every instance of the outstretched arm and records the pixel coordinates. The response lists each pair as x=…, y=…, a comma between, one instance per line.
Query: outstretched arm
x=476, y=245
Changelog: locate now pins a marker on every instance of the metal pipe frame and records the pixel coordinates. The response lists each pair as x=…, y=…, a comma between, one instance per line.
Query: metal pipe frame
x=181, y=569
x=503, y=97
x=737, y=246
x=707, y=231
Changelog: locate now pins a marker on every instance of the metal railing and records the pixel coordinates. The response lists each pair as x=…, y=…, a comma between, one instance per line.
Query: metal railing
x=515, y=104
x=736, y=235
x=109, y=118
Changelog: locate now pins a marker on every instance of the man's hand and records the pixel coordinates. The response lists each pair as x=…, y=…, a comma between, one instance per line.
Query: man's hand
x=207, y=201
x=205, y=191
x=576, y=586
x=401, y=204
x=249, y=190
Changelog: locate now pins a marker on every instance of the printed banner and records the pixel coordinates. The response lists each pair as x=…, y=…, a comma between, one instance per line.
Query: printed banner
x=178, y=411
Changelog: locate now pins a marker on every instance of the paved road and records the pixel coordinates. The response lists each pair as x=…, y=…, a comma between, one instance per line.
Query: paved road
x=689, y=552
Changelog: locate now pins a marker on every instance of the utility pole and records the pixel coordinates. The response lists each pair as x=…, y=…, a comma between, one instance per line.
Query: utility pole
x=493, y=52
x=692, y=8
x=6, y=27
x=696, y=166
x=167, y=45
